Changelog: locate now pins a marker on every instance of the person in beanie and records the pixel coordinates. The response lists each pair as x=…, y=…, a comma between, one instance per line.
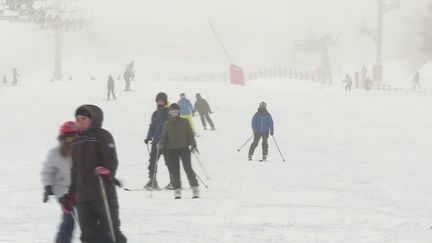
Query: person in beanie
x=110, y=87
x=177, y=136
x=186, y=109
x=262, y=126
x=158, y=118
x=56, y=177
x=93, y=155
x=204, y=110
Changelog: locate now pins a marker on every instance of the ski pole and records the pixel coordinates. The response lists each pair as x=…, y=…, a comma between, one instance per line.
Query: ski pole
x=148, y=149
x=75, y=217
x=201, y=165
x=154, y=171
x=238, y=150
x=107, y=210
x=277, y=146
x=199, y=178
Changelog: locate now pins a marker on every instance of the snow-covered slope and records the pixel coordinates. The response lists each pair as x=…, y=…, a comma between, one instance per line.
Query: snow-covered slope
x=357, y=170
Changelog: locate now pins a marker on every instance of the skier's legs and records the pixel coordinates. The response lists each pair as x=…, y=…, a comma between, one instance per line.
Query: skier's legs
x=265, y=144
x=152, y=165
x=89, y=222
x=254, y=144
x=66, y=228
x=203, y=120
x=112, y=91
x=99, y=208
x=172, y=156
x=185, y=156
x=207, y=116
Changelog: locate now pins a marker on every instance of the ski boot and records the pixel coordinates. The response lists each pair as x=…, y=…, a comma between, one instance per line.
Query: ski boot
x=177, y=194
x=149, y=187
x=205, y=128
x=213, y=128
x=264, y=158
x=195, y=192
x=169, y=187
x=250, y=157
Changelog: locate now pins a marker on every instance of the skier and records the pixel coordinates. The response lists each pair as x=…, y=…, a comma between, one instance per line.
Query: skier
x=110, y=87
x=93, y=155
x=56, y=177
x=186, y=109
x=368, y=84
x=15, y=75
x=262, y=125
x=203, y=108
x=127, y=75
x=5, y=81
x=348, y=81
x=364, y=72
x=130, y=68
x=177, y=136
x=159, y=117
x=416, y=80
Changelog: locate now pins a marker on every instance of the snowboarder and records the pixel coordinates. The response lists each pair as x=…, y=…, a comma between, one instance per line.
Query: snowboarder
x=348, y=81
x=15, y=75
x=93, y=155
x=56, y=177
x=186, y=109
x=110, y=87
x=203, y=108
x=177, y=136
x=262, y=126
x=159, y=117
x=416, y=81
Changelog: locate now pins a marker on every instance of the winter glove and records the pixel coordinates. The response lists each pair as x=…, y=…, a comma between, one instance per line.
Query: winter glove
x=159, y=146
x=102, y=171
x=67, y=202
x=193, y=149
x=272, y=133
x=48, y=192
x=147, y=140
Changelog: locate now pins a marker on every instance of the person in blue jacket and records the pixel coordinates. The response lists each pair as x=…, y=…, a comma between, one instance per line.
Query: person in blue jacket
x=186, y=109
x=262, y=126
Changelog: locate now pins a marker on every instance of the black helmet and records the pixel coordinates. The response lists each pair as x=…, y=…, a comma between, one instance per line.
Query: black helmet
x=162, y=96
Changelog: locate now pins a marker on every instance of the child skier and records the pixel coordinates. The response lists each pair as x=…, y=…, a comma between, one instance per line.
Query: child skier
x=56, y=177
x=262, y=125
x=177, y=136
x=93, y=156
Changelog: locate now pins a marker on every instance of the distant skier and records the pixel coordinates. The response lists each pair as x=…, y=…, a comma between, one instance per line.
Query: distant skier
x=368, y=84
x=130, y=67
x=93, y=155
x=110, y=87
x=416, y=81
x=158, y=119
x=56, y=177
x=177, y=136
x=262, y=126
x=127, y=75
x=15, y=75
x=348, y=81
x=186, y=109
x=364, y=72
x=203, y=108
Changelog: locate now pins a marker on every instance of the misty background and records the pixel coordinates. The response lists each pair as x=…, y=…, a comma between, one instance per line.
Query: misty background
x=172, y=38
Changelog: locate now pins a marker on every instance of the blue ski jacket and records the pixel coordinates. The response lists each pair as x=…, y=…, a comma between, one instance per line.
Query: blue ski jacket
x=262, y=123
x=186, y=107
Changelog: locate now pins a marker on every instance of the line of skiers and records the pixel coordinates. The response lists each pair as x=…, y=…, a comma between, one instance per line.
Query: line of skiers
x=80, y=171
x=15, y=76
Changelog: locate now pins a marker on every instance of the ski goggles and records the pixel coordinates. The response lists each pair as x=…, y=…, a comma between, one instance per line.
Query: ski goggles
x=174, y=112
x=68, y=139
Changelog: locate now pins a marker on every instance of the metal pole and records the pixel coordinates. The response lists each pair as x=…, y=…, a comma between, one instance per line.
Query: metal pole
x=202, y=167
x=277, y=146
x=221, y=43
x=238, y=150
x=154, y=172
x=107, y=210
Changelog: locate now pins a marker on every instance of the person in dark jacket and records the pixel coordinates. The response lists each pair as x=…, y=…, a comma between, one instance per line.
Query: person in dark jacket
x=56, y=177
x=159, y=117
x=110, y=87
x=127, y=75
x=203, y=108
x=94, y=154
x=262, y=126
x=177, y=136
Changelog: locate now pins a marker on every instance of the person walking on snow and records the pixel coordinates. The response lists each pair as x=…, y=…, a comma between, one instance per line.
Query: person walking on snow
x=416, y=81
x=203, y=108
x=186, y=109
x=110, y=87
x=177, y=136
x=93, y=155
x=15, y=75
x=262, y=126
x=158, y=119
x=56, y=177
x=348, y=81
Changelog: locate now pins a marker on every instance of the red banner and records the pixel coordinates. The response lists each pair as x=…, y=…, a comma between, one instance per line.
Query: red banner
x=237, y=75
